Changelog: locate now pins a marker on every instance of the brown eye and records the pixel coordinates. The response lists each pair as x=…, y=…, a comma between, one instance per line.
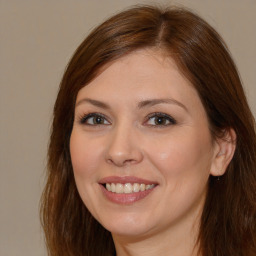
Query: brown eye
x=160, y=119
x=94, y=119
x=98, y=120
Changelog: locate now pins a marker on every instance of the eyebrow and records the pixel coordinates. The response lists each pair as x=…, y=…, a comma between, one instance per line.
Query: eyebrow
x=141, y=104
x=153, y=102
x=96, y=103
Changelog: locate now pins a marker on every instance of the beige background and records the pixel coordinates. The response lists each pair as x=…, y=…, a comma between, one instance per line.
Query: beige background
x=37, y=40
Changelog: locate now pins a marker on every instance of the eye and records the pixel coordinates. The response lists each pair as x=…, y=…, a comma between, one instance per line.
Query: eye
x=94, y=119
x=160, y=119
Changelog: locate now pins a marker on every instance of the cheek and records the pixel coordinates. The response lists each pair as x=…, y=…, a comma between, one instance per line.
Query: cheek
x=183, y=157
x=84, y=155
x=184, y=164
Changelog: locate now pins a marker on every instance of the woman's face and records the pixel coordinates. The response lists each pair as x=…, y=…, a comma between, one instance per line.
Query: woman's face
x=140, y=146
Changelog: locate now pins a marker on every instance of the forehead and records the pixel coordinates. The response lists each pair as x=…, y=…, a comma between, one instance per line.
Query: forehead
x=140, y=74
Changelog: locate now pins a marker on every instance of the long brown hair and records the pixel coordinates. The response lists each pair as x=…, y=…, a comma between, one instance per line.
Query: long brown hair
x=228, y=225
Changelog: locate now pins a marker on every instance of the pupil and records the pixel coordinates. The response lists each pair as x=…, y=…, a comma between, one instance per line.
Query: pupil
x=159, y=120
x=98, y=120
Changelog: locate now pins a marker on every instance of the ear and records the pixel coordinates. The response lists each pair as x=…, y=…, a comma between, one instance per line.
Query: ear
x=224, y=149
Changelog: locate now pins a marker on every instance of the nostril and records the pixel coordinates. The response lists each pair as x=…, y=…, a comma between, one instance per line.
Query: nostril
x=118, y=161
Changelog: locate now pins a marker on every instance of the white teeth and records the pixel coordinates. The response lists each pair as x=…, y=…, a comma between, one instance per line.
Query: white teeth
x=142, y=187
x=119, y=188
x=113, y=187
x=147, y=187
x=136, y=187
x=128, y=188
x=108, y=187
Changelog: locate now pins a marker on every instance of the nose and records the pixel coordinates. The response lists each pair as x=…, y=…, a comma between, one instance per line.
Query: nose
x=124, y=147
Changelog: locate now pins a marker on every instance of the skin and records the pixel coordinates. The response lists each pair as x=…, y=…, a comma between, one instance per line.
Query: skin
x=179, y=156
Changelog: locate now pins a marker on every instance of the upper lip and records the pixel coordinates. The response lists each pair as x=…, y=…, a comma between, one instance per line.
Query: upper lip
x=125, y=179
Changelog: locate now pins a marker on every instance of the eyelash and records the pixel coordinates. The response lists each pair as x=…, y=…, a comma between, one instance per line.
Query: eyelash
x=84, y=119
x=165, y=118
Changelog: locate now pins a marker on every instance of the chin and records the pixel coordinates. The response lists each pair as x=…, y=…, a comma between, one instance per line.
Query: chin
x=128, y=226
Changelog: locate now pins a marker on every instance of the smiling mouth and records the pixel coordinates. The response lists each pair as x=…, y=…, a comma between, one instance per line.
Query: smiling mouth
x=128, y=188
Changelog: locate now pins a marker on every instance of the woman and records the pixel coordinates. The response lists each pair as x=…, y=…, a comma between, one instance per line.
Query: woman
x=153, y=146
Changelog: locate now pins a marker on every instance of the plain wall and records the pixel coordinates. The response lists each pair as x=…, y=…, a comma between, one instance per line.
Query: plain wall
x=37, y=40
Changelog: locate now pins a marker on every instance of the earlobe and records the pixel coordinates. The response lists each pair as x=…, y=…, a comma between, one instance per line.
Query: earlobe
x=223, y=152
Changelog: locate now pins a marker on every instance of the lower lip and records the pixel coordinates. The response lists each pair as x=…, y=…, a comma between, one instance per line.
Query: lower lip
x=125, y=198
